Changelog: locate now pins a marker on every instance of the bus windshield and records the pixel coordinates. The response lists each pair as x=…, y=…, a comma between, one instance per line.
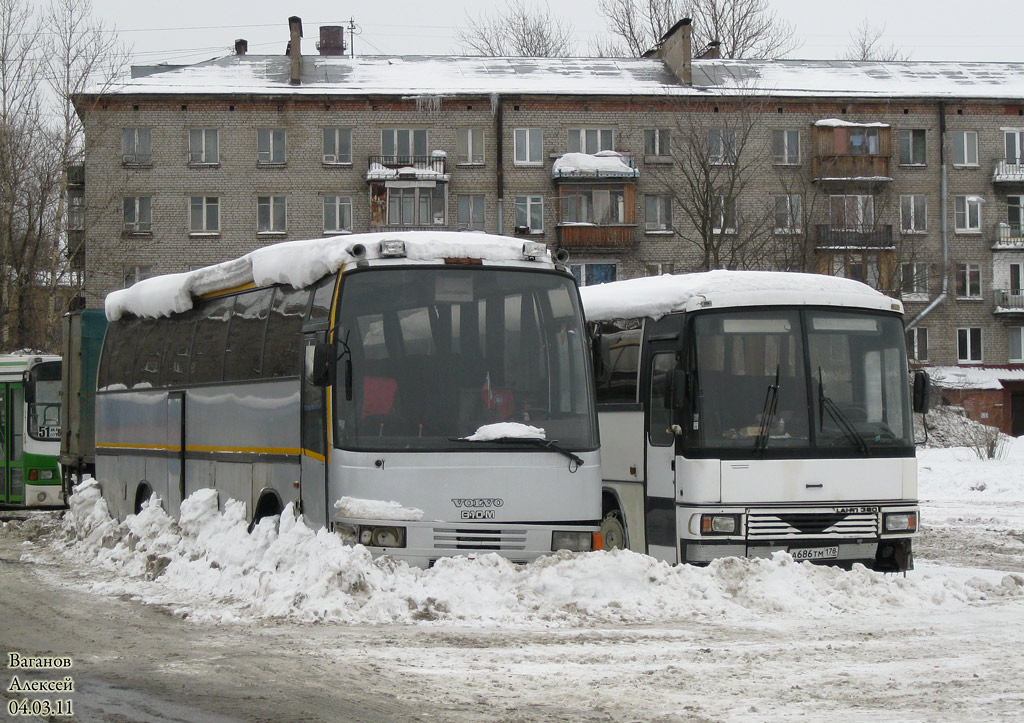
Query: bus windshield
x=773, y=382
x=429, y=355
x=44, y=404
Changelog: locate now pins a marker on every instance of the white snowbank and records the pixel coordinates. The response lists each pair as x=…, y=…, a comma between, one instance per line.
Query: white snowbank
x=503, y=430
x=208, y=566
x=300, y=263
x=956, y=474
x=655, y=296
x=376, y=509
x=973, y=377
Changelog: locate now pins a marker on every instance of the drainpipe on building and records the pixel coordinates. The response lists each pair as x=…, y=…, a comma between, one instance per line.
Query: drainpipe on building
x=944, y=207
x=499, y=106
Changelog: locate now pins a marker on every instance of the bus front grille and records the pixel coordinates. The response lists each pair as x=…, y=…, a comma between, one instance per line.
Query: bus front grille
x=460, y=538
x=814, y=523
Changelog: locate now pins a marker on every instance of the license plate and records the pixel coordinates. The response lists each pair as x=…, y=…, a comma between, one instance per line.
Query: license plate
x=815, y=553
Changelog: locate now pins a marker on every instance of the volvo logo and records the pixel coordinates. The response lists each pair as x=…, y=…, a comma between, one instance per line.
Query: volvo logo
x=477, y=502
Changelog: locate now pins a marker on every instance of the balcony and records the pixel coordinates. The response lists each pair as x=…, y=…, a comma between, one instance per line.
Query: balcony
x=1009, y=301
x=408, y=168
x=604, y=165
x=591, y=236
x=1009, y=170
x=1008, y=236
x=876, y=237
x=851, y=152
x=75, y=175
x=851, y=168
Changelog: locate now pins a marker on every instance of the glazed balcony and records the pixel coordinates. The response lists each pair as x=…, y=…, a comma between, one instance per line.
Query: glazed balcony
x=590, y=236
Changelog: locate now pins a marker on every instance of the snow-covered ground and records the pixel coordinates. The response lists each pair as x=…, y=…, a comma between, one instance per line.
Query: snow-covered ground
x=615, y=636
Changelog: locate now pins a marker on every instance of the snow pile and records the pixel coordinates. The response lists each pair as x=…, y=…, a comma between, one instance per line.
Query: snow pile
x=604, y=163
x=956, y=474
x=949, y=426
x=655, y=296
x=505, y=430
x=375, y=509
x=208, y=566
x=973, y=377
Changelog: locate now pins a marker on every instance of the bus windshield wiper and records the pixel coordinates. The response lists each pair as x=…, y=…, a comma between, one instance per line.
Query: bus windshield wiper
x=844, y=423
x=771, y=403
x=551, y=444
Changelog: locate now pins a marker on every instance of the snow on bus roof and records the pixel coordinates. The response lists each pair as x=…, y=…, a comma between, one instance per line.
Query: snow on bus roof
x=300, y=263
x=655, y=296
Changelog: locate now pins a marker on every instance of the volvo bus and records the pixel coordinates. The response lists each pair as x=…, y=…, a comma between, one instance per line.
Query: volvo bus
x=30, y=430
x=745, y=413
x=424, y=394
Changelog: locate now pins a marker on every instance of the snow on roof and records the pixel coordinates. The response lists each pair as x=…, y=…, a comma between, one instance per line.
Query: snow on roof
x=655, y=296
x=837, y=123
x=605, y=163
x=450, y=75
x=974, y=377
x=300, y=263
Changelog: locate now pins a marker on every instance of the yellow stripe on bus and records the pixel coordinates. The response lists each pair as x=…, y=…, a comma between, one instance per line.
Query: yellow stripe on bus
x=225, y=292
x=286, y=451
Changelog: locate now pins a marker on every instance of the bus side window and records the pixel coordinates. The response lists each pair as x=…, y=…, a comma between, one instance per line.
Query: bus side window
x=244, y=351
x=103, y=378
x=146, y=371
x=122, y=354
x=659, y=414
x=282, y=351
x=177, y=349
x=208, y=344
x=320, y=306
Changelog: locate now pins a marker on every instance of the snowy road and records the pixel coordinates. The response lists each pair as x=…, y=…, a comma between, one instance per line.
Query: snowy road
x=597, y=637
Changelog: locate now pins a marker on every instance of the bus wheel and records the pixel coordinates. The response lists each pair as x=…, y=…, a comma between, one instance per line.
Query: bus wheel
x=142, y=493
x=269, y=506
x=613, y=530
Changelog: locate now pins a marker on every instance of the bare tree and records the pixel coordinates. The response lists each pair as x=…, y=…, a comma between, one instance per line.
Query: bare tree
x=745, y=28
x=521, y=30
x=866, y=44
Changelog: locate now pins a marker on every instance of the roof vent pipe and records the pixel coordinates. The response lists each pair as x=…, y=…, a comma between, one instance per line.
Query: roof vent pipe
x=676, y=51
x=295, y=48
x=241, y=46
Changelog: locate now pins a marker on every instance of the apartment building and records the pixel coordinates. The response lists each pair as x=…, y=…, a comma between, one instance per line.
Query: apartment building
x=908, y=176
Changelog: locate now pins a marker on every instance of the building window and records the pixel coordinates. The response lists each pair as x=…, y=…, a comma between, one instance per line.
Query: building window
x=658, y=213
x=1016, y=343
x=863, y=267
x=270, y=144
x=529, y=144
x=968, y=281
x=138, y=214
x=965, y=148
x=1014, y=140
x=337, y=145
x=913, y=213
x=723, y=214
x=968, y=345
x=76, y=210
x=590, y=273
x=271, y=214
x=658, y=268
x=204, y=214
x=1015, y=216
x=656, y=142
x=601, y=205
x=529, y=213
x=590, y=140
x=914, y=278
x=470, y=142
x=133, y=274
x=788, y=213
x=967, y=213
x=136, y=146
x=912, y=147
x=852, y=213
x=203, y=146
x=402, y=145
x=337, y=214
x=471, y=212
x=917, y=344
x=1016, y=278
x=722, y=146
x=420, y=206
x=786, y=148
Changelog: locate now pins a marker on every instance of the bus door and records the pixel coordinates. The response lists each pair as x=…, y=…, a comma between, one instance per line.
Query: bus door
x=175, y=452
x=660, y=445
x=12, y=404
x=313, y=472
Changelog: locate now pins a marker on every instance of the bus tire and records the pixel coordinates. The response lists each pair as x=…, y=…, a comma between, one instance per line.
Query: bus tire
x=613, y=530
x=268, y=506
x=142, y=493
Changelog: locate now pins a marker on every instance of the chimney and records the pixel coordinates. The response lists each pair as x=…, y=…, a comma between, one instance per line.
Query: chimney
x=332, y=40
x=675, y=50
x=241, y=46
x=295, y=49
x=714, y=50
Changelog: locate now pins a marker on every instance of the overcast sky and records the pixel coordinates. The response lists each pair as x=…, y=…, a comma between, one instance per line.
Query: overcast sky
x=187, y=31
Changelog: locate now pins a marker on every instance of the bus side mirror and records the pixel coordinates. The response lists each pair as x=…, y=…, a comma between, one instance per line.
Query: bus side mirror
x=319, y=363
x=922, y=385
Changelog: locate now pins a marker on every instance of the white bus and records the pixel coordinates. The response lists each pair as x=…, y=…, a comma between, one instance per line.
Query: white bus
x=744, y=413
x=30, y=430
x=424, y=394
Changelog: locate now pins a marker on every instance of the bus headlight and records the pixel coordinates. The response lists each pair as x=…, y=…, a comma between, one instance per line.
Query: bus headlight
x=719, y=524
x=900, y=522
x=373, y=536
x=572, y=540
x=46, y=474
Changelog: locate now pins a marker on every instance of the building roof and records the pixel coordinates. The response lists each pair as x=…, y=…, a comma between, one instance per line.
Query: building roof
x=423, y=75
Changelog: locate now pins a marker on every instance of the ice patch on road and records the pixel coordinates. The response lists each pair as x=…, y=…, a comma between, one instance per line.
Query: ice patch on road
x=208, y=566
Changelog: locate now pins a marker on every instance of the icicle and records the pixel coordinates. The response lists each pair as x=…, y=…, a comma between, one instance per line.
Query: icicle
x=494, y=104
x=428, y=103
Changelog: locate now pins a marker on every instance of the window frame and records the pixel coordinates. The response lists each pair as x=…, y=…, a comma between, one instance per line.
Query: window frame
x=339, y=158
x=915, y=342
x=863, y=208
x=657, y=143
x=418, y=199
x=964, y=142
x=911, y=134
x=413, y=134
x=337, y=201
x=909, y=212
x=464, y=140
x=139, y=153
x=137, y=273
x=582, y=266
x=273, y=140
x=965, y=342
x=968, y=279
x=794, y=212
x=275, y=225
x=724, y=211
x=207, y=203
x=473, y=202
x=968, y=201
x=578, y=139
x=137, y=226
x=914, y=280
x=662, y=223
x=722, y=146
x=786, y=142
x=200, y=157
x=527, y=145
x=528, y=202
x=1017, y=331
